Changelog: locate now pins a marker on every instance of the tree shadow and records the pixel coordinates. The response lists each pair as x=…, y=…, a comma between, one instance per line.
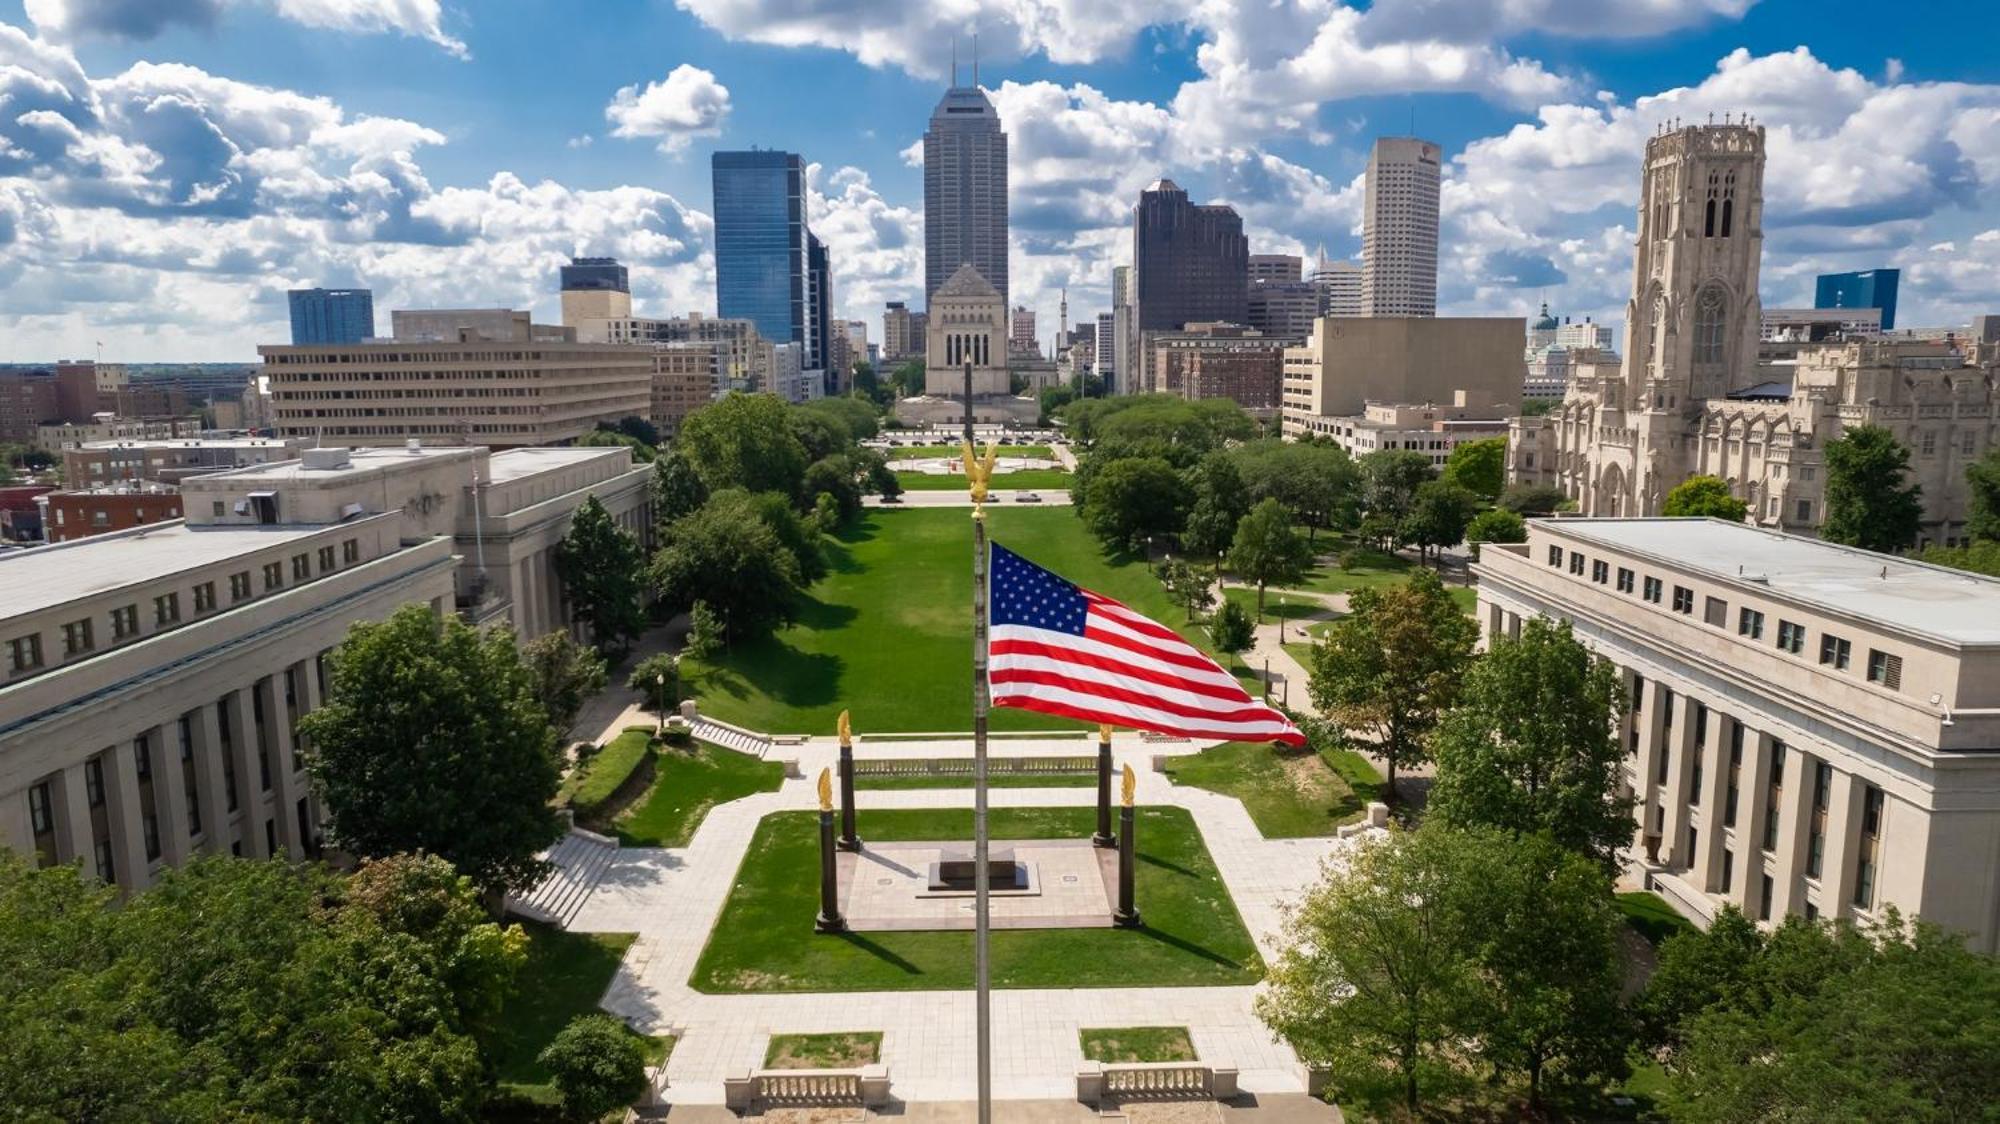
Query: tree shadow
x=821, y=615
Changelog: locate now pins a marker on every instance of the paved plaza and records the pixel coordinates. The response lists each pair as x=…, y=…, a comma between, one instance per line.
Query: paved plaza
x=671, y=898
x=1071, y=884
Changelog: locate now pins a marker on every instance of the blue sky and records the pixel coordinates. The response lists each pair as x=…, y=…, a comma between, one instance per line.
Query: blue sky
x=169, y=167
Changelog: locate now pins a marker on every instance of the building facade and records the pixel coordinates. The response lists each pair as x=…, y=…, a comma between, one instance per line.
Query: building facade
x=1275, y=267
x=108, y=427
x=168, y=462
x=965, y=192
x=1189, y=263
x=1021, y=333
x=1868, y=288
x=1433, y=429
x=968, y=325
x=762, y=271
x=746, y=354
x=331, y=315
x=902, y=332
x=1399, y=228
x=27, y=401
x=74, y=514
x=1339, y=286
x=1282, y=309
x=595, y=289
x=1347, y=363
x=1171, y=357
x=1810, y=728
x=686, y=376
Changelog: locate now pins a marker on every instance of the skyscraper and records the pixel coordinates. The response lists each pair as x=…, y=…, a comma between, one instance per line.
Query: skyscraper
x=1870, y=288
x=1189, y=263
x=1339, y=285
x=1399, y=229
x=761, y=267
x=819, y=316
x=331, y=315
x=965, y=190
x=595, y=289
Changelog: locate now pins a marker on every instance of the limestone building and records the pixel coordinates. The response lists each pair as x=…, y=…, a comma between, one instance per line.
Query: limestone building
x=687, y=375
x=1433, y=429
x=746, y=355
x=967, y=324
x=1810, y=728
x=1689, y=396
x=153, y=678
x=1347, y=363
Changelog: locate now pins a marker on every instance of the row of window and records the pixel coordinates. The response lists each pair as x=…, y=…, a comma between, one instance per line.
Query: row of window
x=79, y=637
x=1884, y=669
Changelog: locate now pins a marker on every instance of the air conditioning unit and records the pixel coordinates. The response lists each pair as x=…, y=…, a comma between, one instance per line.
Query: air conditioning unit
x=324, y=459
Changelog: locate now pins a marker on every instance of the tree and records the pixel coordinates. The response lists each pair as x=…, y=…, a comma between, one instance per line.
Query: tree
x=1480, y=467
x=1393, y=665
x=639, y=429
x=1533, y=499
x=1390, y=478
x=657, y=678
x=1231, y=629
x=1981, y=557
x=1267, y=550
x=601, y=570
x=1220, y=502
x=603, y=436
x=1870, y=500
x=727, y=557
x=800, y=539
x=1496, y=524
x=1697, y=969
x=1532, y=745
x=566, y=674
x=1707, y=497
x=1131, y=500
x=1052, y=399
x=908, y=379
x=1982, y=478
x=432, y=739
x=596, y=1064
x=1318, y=482
x=677, y=487
x=876, y=475
x=1380, y=962
x=1188, y=587
x=857, y=418
x=745, y=441
x=836, y=478
x=705, y=634
x=821, y=434
x=1438, y=516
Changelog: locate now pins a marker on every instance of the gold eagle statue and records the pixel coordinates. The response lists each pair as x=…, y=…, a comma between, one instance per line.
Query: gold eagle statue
x=846, y=732
x=1125, y=787
x=826, y=790
x=979, y=471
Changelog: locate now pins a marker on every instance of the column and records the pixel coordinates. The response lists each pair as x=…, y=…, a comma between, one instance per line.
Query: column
x=1646, y=720
x=75, y=842
x=169, y=792
x=310, y=699
x=1789, y=857
x=1750, y=859
x=18, y=826
x=249, y=775
x=1675, y=797
x=1714, y=789
x=122, y=814
x=210, y=779
x=1837, y=869
x=284, y=778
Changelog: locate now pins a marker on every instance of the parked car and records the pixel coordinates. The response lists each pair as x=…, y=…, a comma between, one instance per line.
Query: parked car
x=1027, y=497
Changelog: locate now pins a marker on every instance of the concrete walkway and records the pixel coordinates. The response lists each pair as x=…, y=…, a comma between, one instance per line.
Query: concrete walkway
x=671, y=899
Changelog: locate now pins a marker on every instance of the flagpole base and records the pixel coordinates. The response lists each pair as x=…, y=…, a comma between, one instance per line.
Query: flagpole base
x=847, y=844
x=1124, y=920
x=825, y=924
x=1103, y=840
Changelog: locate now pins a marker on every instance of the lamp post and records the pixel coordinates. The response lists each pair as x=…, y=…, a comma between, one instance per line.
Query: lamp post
x=660, y=727
x=1281, y=618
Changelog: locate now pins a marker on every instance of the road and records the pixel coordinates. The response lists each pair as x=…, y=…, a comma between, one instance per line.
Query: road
x=956, y=498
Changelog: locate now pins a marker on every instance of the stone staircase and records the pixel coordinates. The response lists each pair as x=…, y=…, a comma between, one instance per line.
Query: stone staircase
x=580, y=859
x=729, y=737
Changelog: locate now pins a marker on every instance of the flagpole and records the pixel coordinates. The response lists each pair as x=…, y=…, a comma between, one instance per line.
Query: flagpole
x=976, y=477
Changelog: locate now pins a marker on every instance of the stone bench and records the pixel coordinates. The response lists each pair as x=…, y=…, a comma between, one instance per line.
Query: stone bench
x=867, y=1086
x=960, y=872
x=1097, y=1082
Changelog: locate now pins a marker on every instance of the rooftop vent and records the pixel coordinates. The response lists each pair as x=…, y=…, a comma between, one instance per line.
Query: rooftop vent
x=324, y=459
x=413, y=446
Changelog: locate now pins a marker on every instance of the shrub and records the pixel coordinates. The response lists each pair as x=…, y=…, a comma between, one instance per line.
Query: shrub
x=597, y=1065
x=609, y=769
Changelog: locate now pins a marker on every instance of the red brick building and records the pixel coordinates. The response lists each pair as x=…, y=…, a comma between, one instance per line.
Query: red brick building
x=76, y=515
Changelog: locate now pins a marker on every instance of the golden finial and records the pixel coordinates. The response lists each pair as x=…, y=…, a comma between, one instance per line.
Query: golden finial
x=1104, y=731
x=846, y=732
x=1125, y=795
x=979, y=473
x=826, y=790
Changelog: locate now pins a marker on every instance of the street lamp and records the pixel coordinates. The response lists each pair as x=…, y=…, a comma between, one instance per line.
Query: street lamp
x=1281, y=618
x=661, y=729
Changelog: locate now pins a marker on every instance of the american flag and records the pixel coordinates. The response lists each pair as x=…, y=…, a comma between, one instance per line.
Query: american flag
x=1056, y=647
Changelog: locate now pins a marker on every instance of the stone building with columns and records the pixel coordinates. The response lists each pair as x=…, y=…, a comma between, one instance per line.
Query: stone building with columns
x=153, y=677
x=1810, y=728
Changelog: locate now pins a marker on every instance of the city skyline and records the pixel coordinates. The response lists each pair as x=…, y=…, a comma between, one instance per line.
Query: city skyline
x=300, y=159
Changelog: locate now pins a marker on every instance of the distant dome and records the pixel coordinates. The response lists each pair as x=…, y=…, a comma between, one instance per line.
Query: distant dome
x=1547, y=323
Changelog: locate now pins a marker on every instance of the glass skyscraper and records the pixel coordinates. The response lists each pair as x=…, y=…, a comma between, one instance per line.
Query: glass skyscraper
x=760, y=242
x=1870, y=288
x=332, y=315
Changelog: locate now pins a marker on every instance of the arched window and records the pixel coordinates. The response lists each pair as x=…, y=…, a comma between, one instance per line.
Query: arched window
x=1711, y=321
x=1728, y=201
x=1708, y=224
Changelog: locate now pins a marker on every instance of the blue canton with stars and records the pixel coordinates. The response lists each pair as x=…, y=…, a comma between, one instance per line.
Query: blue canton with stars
x=1025, y=594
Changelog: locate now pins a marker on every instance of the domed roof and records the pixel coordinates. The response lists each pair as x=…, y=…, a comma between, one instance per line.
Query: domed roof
x=1547, y=323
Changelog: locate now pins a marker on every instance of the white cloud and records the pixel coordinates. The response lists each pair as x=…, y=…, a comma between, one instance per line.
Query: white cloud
x=421, y=19
x=689, y=103
x=144, y=19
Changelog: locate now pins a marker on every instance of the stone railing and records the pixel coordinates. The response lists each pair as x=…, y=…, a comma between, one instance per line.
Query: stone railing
x=1097, y=1082
x=962, y=766
x=867, y=1086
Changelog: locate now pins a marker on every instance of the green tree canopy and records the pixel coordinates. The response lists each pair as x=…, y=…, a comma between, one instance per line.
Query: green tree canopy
x=1531, y=746
x=1231, y=628
x=1982, y=479
x=1393, y=665
x=602, y=572
x=657, y=679
x=1706, y=496
x=728, y=556
x=1315, y=480
x=597, y=1066
x=1533, y=499
x=1871, y=502
x=677, y=487
x=1480, y=467
x=1128, y=501
x=433, y=739
x=1981, y=557
x=1390, y=479
x=1497, y=524
x=857, y=418
x=1220, y=501
x=838, y=477
x=1438, y=516
x=605, y=437
x=566, y=674
x=1267, y=550
x=745, y=441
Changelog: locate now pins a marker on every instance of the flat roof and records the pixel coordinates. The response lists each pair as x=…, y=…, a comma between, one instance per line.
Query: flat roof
x=360, y=460
x=191, y=443
x=514, y=464
x=44, y=577
x=1950, y=605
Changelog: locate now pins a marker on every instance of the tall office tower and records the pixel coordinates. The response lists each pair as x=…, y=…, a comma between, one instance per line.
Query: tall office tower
x=1021, y=332
x=1125, y=329
x=1107, y=350
x=1339, y=285
x=1276, y=267
x=1399, y=229
x=965, y=189
x=897, y=340
x=761, y=267
x=1189, y=263
x=819, y=316
x=595, y=289
x=332, y=315
x=1870, y=288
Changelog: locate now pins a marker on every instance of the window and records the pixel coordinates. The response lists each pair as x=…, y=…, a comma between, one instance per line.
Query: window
x=1555, y=556
x=1600, y=571
x=1715, y=611
x=1833, y=650
x=77, y=639
x=149, y=826
x=1710, y=325
x=1728, y=869
x=142, y=758
x=1750, y=622
x=216, y=509
x=24, y=653
x=1774, y=796
x=1683, y=599
x=1805, y=511
x=1822, y=793
x=350, y=552
x=93, y=782
x=125, y=622
x=1967, y=442
x=1764, y=897
x=41, y=812
x=1624, y=580
x=274, y=575
x=301, y=567
x=1871, y=840
x=1930, y=442
x=1885, y=669
x=1791, y=637
x=239, y=586
x=1735, y=773
x=325, y=558
x=166, y=608
x=1653, y=588
x=204, y=597
x=1575, y=563
x=1638, y=693
x=105, y=871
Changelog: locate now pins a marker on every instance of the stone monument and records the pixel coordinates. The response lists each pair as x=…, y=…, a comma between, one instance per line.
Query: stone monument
x=1104, y=838
x=849, y=841
x=1127, y=916
x=829, y=919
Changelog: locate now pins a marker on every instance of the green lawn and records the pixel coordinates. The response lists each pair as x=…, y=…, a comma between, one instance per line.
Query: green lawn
x=888, y=633
x=839, y=1050
x=1289, y=793
x=565, y=975
x=686, y=784
x=1124, y=1044
x=1052, y=479
x=764, y=940
x=1651, y=917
